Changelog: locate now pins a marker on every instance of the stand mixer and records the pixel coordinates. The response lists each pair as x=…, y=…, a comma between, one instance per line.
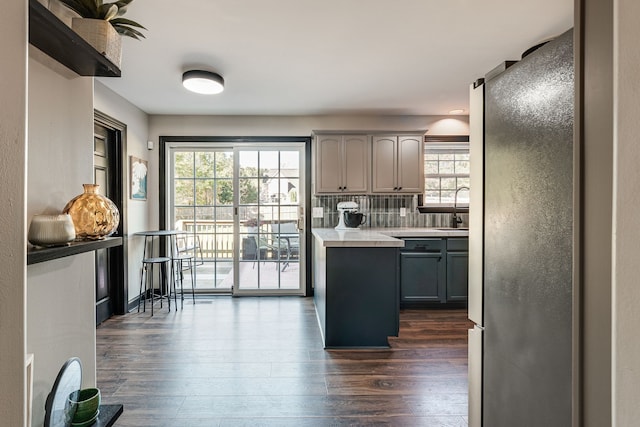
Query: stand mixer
x=343, y=207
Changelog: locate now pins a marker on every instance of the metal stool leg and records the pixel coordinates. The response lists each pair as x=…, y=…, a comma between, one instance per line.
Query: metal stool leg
x=160, y=285
x=166, y=285
x=181, y=276
x=149, y=286
x=192, y=271
x=152, y=288
x=170, y=285
x=173, y=282
x=140, y=290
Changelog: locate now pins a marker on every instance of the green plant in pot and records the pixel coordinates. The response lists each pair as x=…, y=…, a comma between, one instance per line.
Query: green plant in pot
x=102, y=25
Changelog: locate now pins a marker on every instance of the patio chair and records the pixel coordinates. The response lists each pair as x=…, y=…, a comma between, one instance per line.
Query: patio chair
x=261, y=245
x=190, y=245
x=286, y=239
x=184, y=259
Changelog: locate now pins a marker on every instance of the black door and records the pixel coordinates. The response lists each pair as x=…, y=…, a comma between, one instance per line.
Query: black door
x=108, y=265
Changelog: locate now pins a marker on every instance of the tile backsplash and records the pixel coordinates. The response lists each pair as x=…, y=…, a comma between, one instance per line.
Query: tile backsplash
x=381, y=211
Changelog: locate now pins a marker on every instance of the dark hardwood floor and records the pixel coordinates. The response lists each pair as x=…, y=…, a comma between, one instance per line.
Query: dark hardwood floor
x=259, y=362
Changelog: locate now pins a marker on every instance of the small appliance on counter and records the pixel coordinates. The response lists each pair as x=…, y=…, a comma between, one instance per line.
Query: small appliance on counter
x=348, y=216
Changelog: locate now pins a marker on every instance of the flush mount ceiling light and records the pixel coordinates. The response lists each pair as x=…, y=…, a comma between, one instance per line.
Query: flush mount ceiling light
x=204, y=82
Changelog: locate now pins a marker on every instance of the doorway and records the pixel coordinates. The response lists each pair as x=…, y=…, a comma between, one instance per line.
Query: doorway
x=242, y=208
x=110, y=263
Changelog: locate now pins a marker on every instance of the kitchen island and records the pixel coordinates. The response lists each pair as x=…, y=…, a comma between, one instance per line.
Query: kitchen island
x=356, y=289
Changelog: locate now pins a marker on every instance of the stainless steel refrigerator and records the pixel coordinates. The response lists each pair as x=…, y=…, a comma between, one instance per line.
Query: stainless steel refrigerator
x=520, y=241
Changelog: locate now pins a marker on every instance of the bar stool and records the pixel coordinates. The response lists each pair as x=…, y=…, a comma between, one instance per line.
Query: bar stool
x=185, y=262
x=147, y=272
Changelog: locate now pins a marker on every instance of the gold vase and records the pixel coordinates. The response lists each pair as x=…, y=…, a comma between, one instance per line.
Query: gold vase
x=94, y=215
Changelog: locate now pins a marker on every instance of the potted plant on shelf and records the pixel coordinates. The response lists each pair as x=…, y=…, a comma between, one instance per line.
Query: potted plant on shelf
x=102, y=25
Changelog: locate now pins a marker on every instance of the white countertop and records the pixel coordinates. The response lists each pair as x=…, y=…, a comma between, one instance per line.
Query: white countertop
x=379, y=237
x=421, y=232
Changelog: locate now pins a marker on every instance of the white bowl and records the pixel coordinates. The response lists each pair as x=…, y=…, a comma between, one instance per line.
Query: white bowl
x=51, y=230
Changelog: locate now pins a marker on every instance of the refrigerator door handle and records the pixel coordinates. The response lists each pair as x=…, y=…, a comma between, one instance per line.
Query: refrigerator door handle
x=476, y=204
x=475, y=376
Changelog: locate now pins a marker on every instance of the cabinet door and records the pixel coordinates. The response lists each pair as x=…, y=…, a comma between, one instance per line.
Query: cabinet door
x=328, y=164
x=384, y=159
x=410, y=164
x=422, y=277
x=356, y=164
x=457, y=276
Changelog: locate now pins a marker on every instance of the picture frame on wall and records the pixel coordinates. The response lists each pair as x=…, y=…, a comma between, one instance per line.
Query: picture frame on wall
x=137, y=178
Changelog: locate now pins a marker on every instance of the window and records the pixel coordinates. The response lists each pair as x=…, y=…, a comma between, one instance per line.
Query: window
x=446, y=167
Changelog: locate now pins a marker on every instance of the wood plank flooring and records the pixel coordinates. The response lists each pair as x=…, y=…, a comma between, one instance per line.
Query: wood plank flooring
x=259, y=362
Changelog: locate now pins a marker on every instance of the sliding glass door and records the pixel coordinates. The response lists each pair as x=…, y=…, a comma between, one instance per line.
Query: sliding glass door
x=202, y=206
x=269, y=209
x=242, y=209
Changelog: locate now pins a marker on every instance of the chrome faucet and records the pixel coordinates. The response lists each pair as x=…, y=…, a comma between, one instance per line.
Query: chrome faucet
x=456, y=219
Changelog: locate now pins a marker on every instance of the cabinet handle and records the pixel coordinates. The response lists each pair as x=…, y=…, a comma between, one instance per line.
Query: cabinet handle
x=399, y=188
x=395, y=188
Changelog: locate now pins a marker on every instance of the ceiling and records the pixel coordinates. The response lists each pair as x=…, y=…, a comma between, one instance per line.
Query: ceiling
x=309, y=57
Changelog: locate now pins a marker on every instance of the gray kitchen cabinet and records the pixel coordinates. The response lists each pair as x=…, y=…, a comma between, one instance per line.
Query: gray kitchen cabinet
x=342, y=164
x=422, y=271
x=422, y=277
x=397, y=164
x=433, y=271
x=457, y=269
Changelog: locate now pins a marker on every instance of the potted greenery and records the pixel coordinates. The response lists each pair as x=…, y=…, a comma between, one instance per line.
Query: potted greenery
x=102, y=25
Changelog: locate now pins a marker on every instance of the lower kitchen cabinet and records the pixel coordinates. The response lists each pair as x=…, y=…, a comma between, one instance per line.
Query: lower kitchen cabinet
x=434, y=272
x=422, y=277
x=457, y=276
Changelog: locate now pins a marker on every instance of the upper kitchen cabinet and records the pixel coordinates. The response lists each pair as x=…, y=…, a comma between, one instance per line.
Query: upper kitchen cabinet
x=398, y=165
x=342, y=164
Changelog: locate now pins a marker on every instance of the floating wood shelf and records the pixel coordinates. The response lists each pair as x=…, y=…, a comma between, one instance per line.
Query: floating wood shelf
x=36, y=255
x=53, y=37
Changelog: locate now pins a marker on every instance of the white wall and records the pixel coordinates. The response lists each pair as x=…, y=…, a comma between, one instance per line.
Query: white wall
x=113, y=105
x=626, y=245
x=13, y=132
x=301, y=125
x=60, y=293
